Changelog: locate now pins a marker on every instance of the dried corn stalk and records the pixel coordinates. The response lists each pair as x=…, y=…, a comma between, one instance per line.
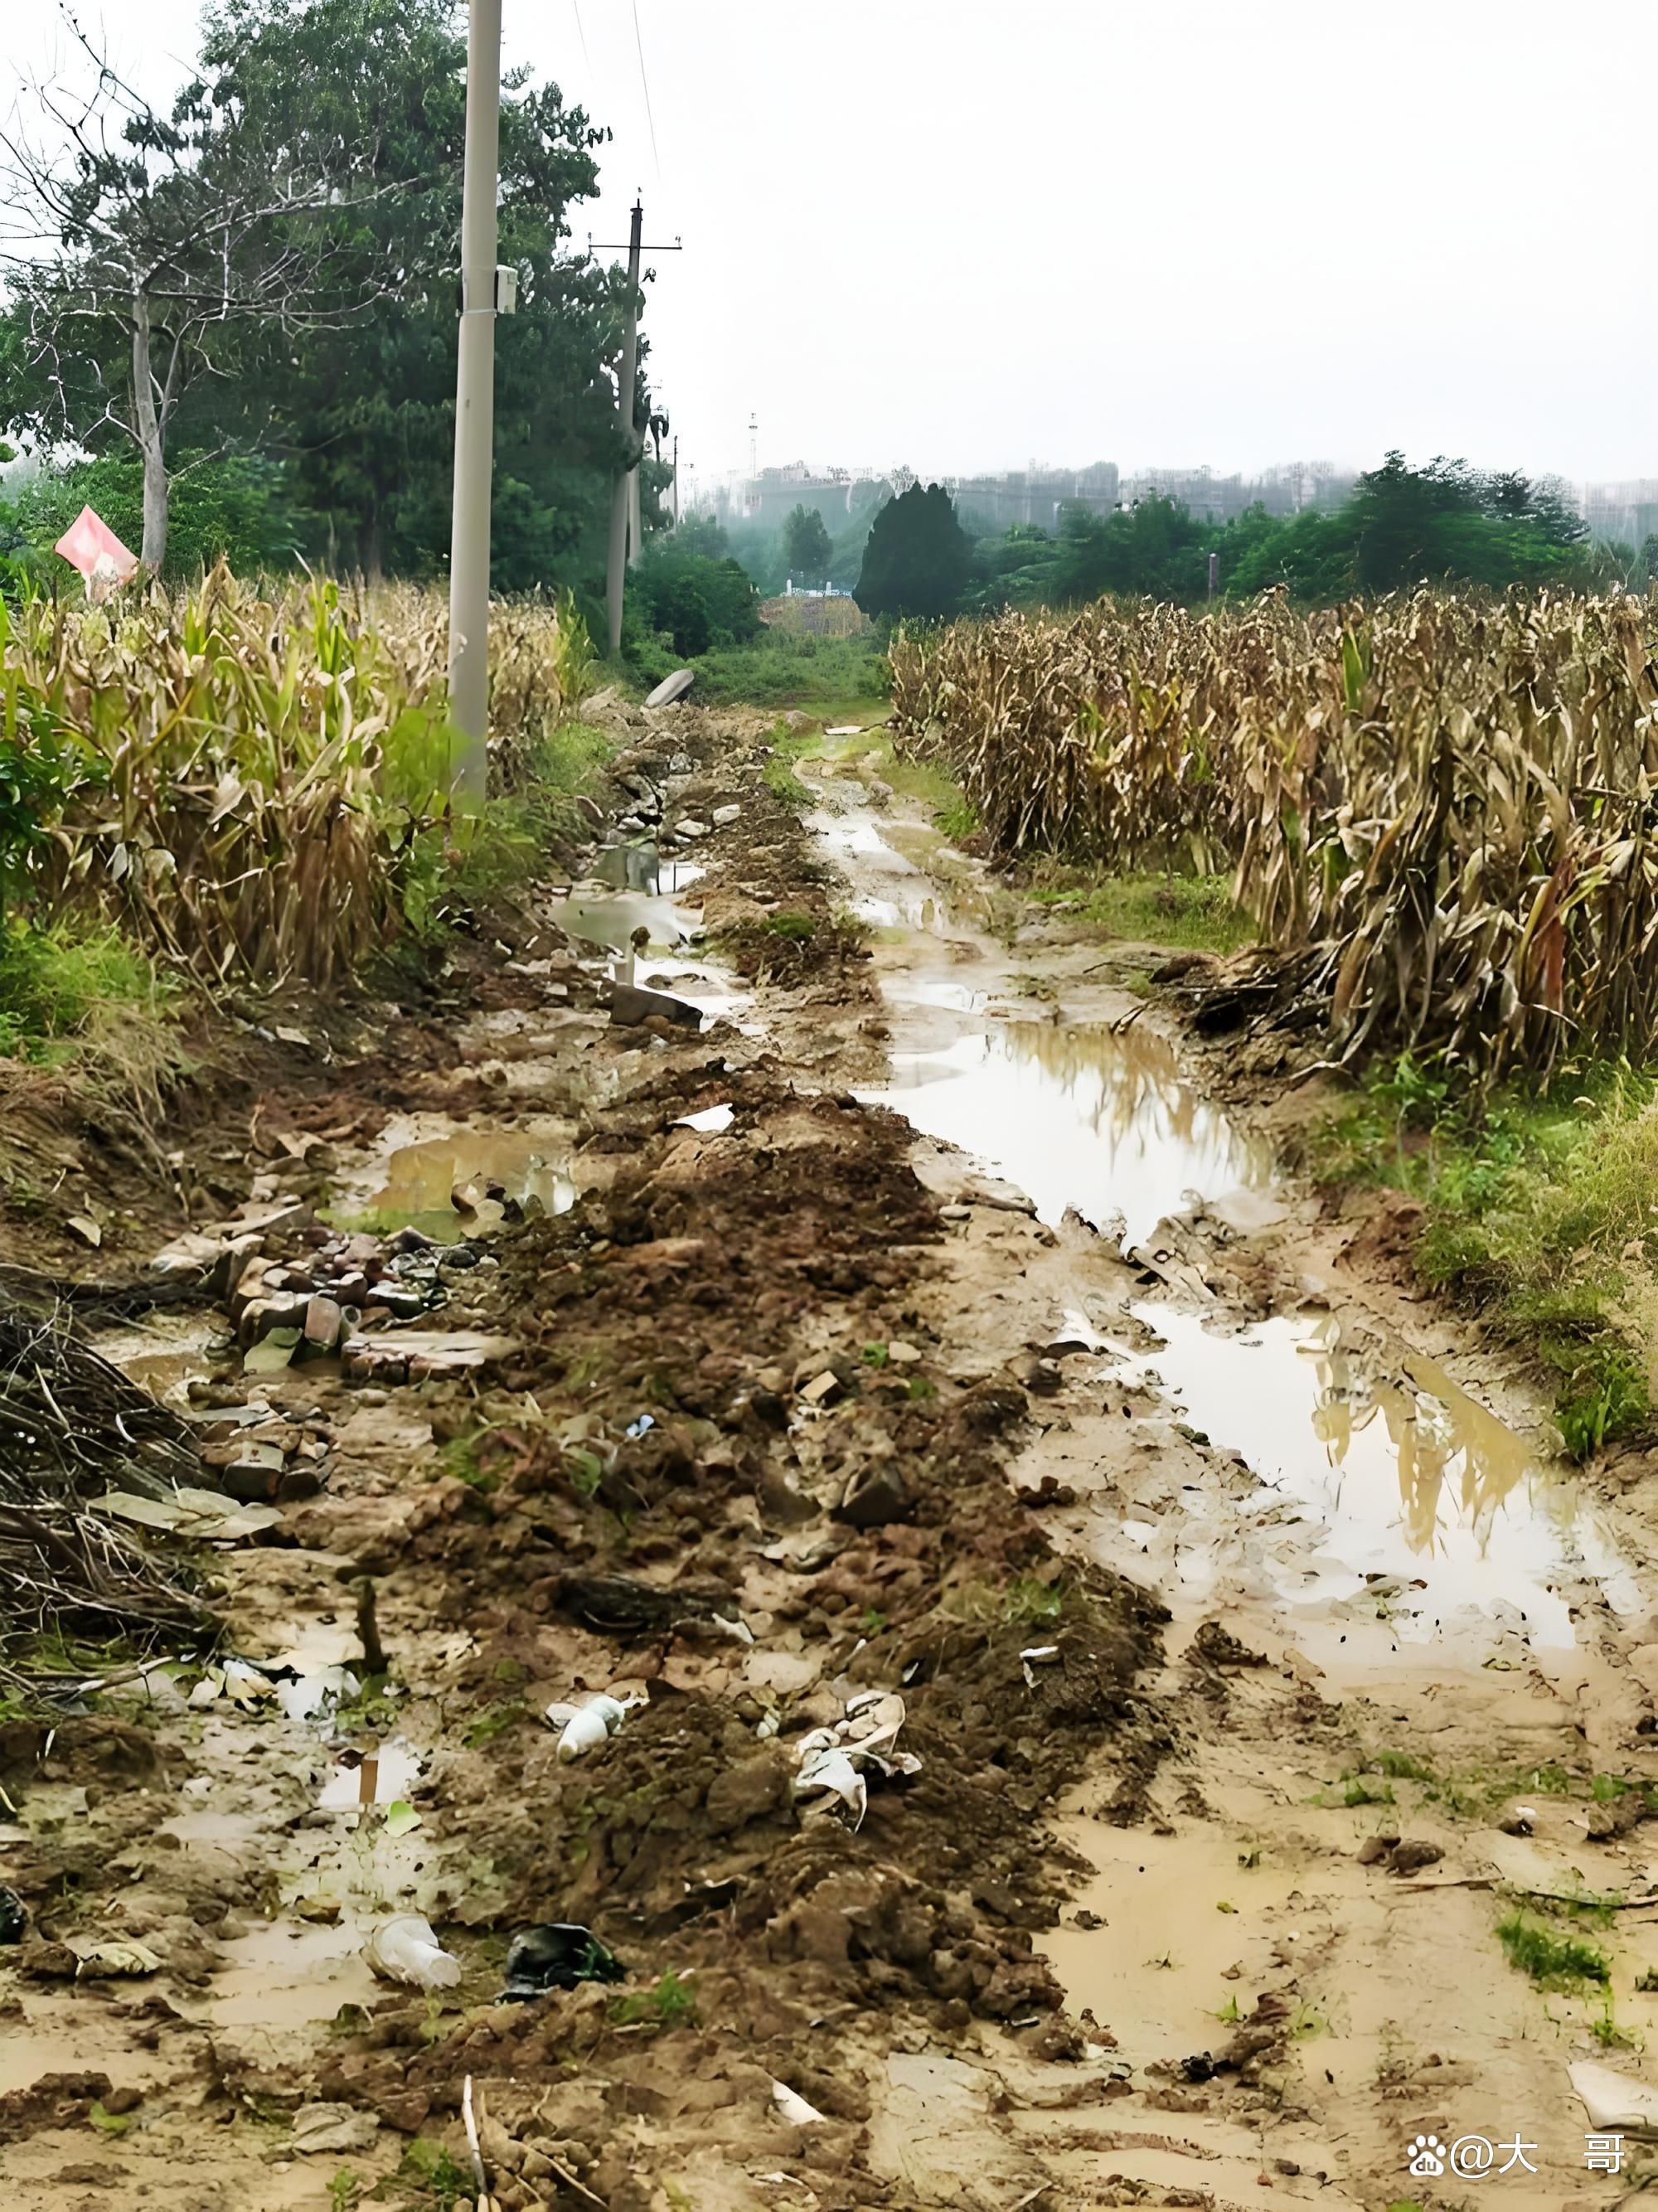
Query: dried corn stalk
x=1450, y=804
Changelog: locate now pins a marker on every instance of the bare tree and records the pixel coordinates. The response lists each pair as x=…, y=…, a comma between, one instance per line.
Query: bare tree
x=142, y=250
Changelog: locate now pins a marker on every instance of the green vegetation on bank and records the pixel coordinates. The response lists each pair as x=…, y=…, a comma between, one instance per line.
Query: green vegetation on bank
x=1538, y=1213
x=1186, y=914
x=775, y=668
x=1557, y=1962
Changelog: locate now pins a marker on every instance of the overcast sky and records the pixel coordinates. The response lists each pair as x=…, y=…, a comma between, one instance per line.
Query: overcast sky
x=963, y=235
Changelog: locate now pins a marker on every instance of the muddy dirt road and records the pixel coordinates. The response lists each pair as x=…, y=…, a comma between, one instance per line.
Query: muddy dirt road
x=1096, y=1660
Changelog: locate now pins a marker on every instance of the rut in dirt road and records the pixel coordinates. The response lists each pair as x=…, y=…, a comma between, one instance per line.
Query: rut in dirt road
x=1414, y=1700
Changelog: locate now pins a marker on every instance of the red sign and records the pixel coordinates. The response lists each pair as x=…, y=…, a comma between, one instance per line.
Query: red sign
x=88, y=543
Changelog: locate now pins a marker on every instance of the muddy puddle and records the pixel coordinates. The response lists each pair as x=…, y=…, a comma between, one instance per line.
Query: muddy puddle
x=376, y=1777
x=1387, y=1493
x=165, y=1349
x=1093, y=1118
x=1173, y=1917
x=1088, y=1119
x=668, y=959
x=455, y=1183
x=609, y=918
x=894, y=893
x=1390, y=1502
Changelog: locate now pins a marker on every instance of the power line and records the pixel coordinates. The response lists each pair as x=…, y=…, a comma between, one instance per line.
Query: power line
x=645, y=83
x=587, y=58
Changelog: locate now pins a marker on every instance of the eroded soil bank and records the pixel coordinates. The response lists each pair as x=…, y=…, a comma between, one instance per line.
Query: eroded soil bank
x=914, y=1354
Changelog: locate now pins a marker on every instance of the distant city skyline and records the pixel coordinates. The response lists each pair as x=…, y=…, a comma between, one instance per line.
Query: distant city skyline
x=1624, y=510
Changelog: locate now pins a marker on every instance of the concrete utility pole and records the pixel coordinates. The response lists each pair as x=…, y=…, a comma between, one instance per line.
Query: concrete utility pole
x=676, y=480
x=475, y=407
x=622, y=491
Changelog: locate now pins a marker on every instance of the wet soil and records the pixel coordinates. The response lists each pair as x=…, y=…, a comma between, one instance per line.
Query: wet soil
x=914, y=1342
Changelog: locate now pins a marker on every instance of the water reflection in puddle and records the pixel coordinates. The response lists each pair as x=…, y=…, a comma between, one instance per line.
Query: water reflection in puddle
x=903, y=897
x=609, y=918
x=381, y=1778
x=525, y=1165
x=1088, y=1117
x=1430, y=1506
x=165, y=1351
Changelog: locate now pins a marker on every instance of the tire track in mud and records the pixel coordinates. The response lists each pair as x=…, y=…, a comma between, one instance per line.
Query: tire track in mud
x=1394, y=1620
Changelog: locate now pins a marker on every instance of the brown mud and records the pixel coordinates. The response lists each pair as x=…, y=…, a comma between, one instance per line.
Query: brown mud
x=917, y=1339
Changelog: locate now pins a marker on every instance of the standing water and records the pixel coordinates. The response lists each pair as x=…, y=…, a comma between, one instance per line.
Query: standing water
x=1090, y=1118
x=1390, y=1495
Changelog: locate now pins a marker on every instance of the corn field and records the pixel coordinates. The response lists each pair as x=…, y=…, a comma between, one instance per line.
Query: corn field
x=1449, y=806
x=240, y=780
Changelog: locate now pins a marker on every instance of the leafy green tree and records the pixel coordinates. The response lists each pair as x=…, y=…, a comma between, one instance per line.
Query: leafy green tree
x=917, y=559
x=684, y=613
x=806, y=545
x=369, y=94
x=182, y=241
x=365, y=413
x=699, y=599
x=238, y=506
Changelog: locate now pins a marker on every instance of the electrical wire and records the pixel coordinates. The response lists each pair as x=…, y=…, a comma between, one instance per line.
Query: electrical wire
x=587, y=58
x=645, y=83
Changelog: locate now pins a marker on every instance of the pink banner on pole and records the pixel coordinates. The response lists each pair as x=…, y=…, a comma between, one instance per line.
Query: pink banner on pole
x=89, y=541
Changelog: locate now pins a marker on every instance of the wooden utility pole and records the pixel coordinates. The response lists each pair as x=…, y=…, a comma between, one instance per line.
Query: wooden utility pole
x=627, y=381
x=475, y=407
x=624, y=496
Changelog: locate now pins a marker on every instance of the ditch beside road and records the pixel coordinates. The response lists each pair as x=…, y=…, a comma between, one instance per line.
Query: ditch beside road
x=1276, y=1714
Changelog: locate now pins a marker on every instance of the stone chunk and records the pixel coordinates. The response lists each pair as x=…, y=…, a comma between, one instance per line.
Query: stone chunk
x=670, y=688
x=630, y=1005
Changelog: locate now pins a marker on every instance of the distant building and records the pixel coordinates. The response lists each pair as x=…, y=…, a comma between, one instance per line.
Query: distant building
x=770, y=496
x=1621, y=513
x=1281, y=491
x=989, y=505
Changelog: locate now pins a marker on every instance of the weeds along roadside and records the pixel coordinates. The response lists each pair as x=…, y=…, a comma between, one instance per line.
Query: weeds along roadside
x=1537, y=1212
x=234, y=787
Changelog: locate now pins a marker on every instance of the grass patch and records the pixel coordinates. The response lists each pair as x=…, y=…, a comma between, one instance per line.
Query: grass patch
x=433, y=2175
x=1360, y=1790
x=779, y=670
x=466, y=862
x=1029, y=1602
x=797, y=928
x=494, y=1721
x=90, y=999
x=788, y=748
x=954, y=813
x=1557, y=1962
x=1186, y=914
x=1400, y=1767
x=567, y=764
x=670, y=2001
x=1539, y=1212
x=460, y=1458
